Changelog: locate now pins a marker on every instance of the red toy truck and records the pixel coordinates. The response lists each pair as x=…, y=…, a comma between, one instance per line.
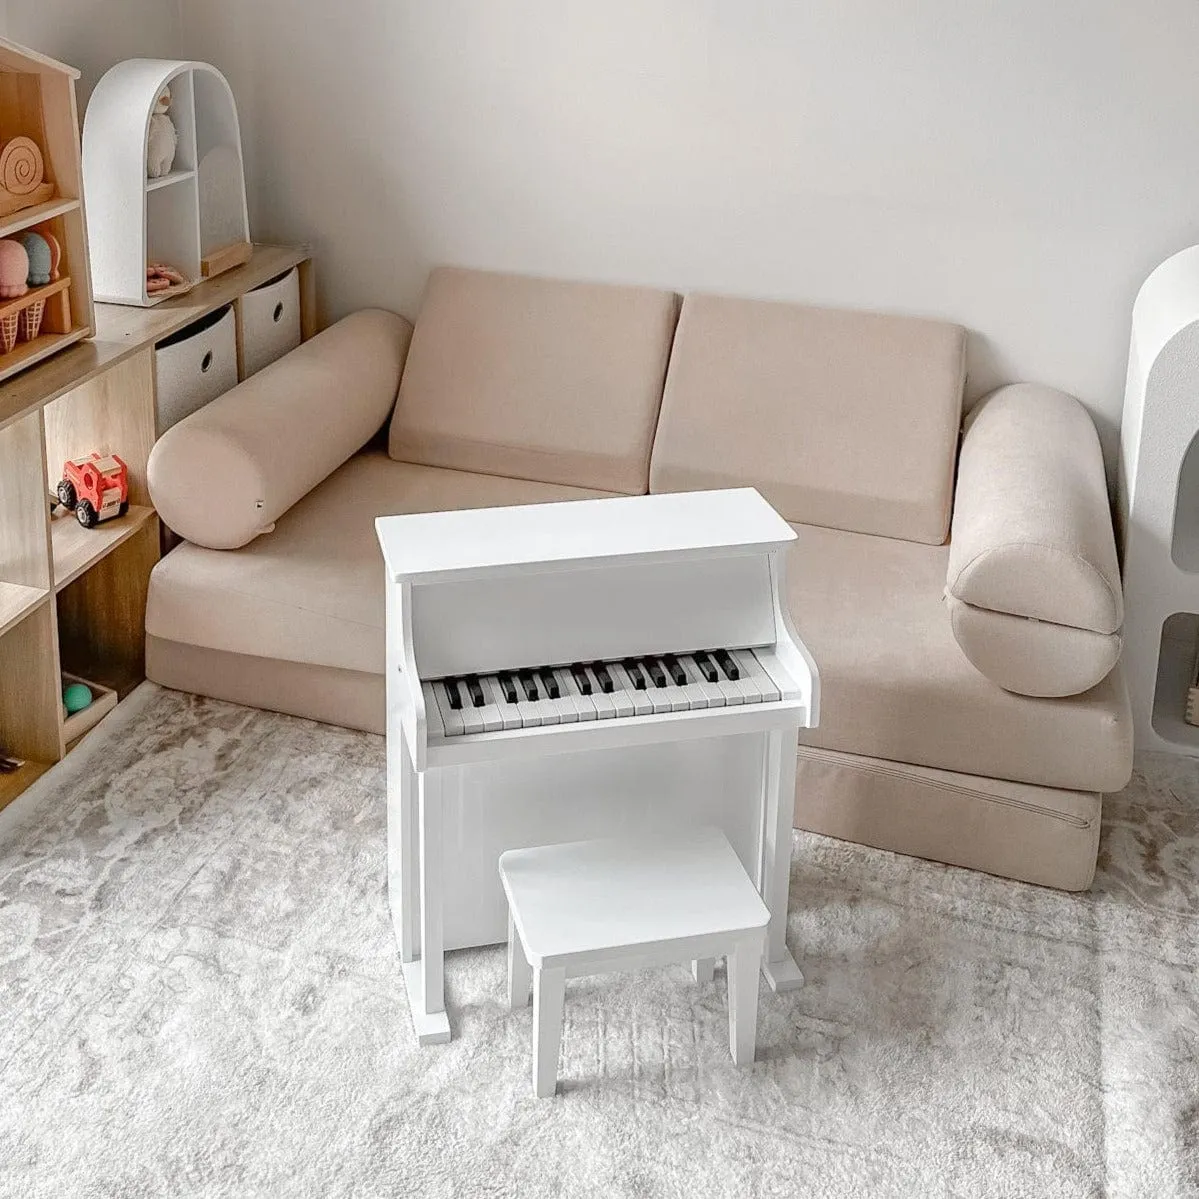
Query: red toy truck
x=95, y=488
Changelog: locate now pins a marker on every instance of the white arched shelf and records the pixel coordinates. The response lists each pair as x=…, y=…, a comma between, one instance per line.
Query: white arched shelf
x=1159, y=504
x=186, y=216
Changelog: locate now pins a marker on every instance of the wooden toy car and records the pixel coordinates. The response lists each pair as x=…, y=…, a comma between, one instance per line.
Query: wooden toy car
x=95, y=488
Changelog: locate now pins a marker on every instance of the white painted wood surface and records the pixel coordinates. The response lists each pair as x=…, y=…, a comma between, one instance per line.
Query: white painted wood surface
x=1159, y=503
x=595, y=907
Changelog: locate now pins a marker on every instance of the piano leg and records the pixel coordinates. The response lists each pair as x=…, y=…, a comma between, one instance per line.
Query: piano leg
x=778, y=811
x=403, y=862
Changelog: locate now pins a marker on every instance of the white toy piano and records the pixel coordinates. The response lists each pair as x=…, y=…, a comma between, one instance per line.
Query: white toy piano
x=597, y=668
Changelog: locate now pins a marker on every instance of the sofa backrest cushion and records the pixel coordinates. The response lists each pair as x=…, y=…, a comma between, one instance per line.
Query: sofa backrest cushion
x=225, y=474
x=843, y=419
x=535, y=379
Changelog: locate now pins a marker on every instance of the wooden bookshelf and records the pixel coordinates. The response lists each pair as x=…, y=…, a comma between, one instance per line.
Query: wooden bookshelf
x=74, y=599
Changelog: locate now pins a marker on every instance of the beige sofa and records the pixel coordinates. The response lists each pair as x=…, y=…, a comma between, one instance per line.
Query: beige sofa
x=973, y=711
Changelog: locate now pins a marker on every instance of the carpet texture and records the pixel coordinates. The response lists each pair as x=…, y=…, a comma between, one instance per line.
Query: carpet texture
x=200, y=996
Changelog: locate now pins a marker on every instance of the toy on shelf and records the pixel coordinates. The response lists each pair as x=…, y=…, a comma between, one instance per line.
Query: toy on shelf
x=161, y=277
x=84, y=705
x=44, y=257
x=95, y=488
x=76, y=697
x=14, y=269
x=22, y=176
x=163, y=139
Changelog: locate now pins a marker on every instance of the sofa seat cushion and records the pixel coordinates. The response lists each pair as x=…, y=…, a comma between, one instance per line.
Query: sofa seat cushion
x=312, y=591
x=896, y=685
x=535, y=379
x=842, y=419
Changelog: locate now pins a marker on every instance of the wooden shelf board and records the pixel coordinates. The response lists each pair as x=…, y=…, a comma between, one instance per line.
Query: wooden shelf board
x=27, y=353
x=12, y=785
x=122, y=332
x=28, y=217
x=116, y=323
x=77, y=548
x=33, y=294
x=152, y=185
x=16, y=602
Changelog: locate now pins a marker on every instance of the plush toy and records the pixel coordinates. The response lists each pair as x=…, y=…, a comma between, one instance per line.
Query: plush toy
x=163, y=140
x=41, y=259
x=14, y=269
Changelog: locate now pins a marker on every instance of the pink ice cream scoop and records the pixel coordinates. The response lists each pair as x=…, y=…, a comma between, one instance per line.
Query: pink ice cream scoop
x=14, y=269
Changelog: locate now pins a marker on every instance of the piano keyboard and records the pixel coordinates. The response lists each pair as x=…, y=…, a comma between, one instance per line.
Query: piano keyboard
x=547, y=695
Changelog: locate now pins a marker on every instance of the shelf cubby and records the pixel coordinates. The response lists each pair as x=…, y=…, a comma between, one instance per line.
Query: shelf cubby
x=181, y=218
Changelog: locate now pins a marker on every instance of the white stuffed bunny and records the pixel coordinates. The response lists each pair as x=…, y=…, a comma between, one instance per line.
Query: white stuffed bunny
x=163, y=139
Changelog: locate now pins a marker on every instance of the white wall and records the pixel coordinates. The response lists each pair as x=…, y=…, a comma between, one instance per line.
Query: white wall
x=1018, y=167
x=94, y=34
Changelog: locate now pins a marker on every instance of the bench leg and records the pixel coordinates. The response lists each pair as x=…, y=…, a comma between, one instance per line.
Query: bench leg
x=549, y=996
x=702, y=970
x=520, y=976
x=743, y=966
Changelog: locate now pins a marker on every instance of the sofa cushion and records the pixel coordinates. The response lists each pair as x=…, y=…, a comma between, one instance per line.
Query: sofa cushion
x=535, y=379
x=1032, y=526
x=842, y=419
x=895, y=684
x=1032, y=657
x=313, y=591
x=224, y=475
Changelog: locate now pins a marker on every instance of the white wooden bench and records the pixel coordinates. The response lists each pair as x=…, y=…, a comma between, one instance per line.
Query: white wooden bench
x=593, y=907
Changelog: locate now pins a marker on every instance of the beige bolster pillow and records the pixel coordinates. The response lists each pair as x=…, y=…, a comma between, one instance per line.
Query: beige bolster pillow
x=1032, y=657
x=225, y=474
x=1032, y=529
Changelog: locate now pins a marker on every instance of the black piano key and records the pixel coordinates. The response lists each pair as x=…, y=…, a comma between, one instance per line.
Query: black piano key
x=476, y=692
x=633, y=670
x=654, y=668
x=552, y=690
x=603, y=677
x=528, y=684
x=582, y=678
x=675, y=668
x=730, y=668
x=508, y=686
x=706, y=666
x=451, y=689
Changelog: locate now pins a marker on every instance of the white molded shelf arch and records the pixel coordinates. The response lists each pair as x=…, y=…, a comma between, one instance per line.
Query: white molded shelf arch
x=180, y=219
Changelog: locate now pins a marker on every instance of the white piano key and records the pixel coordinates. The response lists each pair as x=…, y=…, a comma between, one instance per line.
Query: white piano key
x=451, y=717
x=624, y=686
x=768, y=693
x=472, y=717
x=605, y=703
x=712, y=692
x=567, y=709
x=738, y=690
x=529, y=710
x=622, y=695
x=672, y=692
x=490, y=712
x=584, y=703
x=508, y=713
x=691, y=691
x=779, y=675
x=659, y=697
x=433, y=722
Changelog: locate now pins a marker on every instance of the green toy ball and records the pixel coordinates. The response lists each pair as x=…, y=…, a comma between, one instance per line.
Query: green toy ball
x=76, y=697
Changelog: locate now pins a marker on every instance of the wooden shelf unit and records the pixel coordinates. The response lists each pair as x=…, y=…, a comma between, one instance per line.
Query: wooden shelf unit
x=74, y=599
x=37, y=100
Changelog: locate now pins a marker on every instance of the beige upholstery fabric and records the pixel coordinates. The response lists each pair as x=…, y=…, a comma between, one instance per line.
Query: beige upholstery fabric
x=842, y=419
x=536, y=379
x=1032, y=657
x=313, y=590
x=1035, y=834
x=895, y=684
x=349, y=698
x=1032, y=527
x=221, y=477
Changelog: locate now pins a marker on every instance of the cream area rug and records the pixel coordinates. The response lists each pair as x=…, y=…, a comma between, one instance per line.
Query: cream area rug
x=200, y=996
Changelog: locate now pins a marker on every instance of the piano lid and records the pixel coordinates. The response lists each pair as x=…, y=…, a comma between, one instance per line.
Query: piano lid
x=429, y=546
